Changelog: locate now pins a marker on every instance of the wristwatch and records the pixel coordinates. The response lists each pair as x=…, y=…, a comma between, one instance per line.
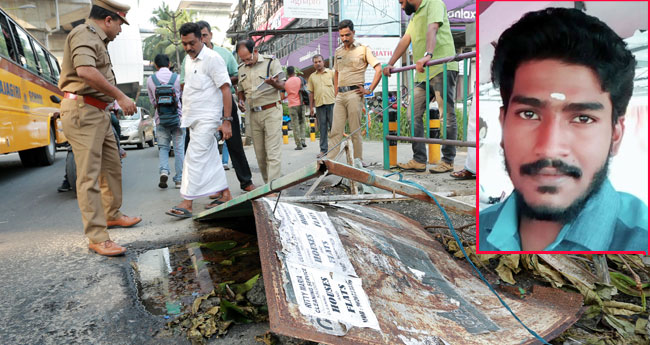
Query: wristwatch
x=229, y=118
x=428, y=53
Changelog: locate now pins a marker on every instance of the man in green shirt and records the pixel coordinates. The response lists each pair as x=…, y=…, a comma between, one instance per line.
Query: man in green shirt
x=234, y=144
x=430, y=34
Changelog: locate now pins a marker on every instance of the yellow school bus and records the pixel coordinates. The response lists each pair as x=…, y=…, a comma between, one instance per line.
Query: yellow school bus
x=29, y=96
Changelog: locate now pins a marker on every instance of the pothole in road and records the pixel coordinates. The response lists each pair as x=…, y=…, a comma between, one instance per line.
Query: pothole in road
x=203, y=288
x=170, y=279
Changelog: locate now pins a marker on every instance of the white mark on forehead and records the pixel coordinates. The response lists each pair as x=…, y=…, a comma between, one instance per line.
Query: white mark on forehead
x=559, y=96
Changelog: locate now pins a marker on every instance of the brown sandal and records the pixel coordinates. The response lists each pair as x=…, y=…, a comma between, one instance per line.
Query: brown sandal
x=463, y=175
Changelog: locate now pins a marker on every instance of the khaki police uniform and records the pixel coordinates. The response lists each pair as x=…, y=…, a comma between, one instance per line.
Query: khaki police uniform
x=351, y=66
x=265, y=112
x=88, y=129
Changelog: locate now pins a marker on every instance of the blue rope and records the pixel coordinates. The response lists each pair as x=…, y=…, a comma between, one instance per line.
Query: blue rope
x=460, y=244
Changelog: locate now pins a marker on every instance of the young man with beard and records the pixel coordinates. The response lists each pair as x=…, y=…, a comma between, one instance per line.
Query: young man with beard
x=565, y=91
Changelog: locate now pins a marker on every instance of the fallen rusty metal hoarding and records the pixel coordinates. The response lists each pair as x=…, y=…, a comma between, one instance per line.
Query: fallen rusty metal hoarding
x=241, y=205
x=419, y=293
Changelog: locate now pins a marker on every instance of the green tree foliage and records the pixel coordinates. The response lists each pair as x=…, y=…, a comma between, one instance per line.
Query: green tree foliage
x=166, y=39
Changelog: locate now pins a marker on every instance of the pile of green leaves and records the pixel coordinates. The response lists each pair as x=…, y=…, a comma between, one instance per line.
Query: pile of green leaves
x=212, y=314
x=615, y=313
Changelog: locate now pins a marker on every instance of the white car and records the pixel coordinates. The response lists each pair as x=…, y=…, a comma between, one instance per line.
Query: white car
x=137, y=128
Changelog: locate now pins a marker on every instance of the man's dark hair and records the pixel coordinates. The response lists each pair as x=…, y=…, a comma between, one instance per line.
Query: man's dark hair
x=161, y=60
x=101, y=13
x=317, y=56
x=346, y=23
x=248, y=43
x=203, y=24
x=570, y=36
x=190, y=28
x=291, y=70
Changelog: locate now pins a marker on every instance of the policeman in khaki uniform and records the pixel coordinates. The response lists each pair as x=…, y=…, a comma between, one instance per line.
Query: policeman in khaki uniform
x=351, y=60
x=265, y=106
x=88, y=82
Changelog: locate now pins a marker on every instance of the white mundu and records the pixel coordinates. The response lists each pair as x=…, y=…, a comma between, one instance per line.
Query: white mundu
x=203, y=172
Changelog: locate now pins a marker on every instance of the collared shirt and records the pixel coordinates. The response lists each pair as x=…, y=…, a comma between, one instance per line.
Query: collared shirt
x=163, y=75
x=292, y=86
x=226, y=55
x=609, y=221
x=431, y=11
x=352, y=63
x=202, y=98
x=321, y=85
x=86, y=45
x=250, y=77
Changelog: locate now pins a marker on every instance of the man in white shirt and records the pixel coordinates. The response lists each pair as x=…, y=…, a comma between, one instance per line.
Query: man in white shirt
x=206, y=97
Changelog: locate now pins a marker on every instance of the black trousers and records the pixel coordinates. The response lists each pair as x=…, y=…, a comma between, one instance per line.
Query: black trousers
x=236, y=151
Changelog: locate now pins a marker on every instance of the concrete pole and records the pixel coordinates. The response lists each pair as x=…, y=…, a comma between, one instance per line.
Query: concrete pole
x=330, y=14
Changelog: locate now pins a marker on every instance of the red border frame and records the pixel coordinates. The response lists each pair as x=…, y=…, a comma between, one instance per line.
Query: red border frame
x=478, y=159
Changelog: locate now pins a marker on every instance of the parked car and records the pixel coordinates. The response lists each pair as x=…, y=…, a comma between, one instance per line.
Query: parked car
x=137, y=128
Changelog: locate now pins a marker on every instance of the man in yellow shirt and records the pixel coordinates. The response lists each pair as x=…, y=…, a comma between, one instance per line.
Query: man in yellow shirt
x=321, y=94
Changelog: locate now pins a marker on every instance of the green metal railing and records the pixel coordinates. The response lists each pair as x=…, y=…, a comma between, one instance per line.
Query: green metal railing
x=392, y=129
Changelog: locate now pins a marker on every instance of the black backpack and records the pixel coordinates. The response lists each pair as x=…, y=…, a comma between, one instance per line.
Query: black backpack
x=166, y=102
x=304, y=94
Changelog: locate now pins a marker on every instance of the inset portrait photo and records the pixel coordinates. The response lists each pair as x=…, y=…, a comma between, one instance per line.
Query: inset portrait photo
x=563, y=95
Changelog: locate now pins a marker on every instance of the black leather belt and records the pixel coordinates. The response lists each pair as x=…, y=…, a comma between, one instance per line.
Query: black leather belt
x=348, y=88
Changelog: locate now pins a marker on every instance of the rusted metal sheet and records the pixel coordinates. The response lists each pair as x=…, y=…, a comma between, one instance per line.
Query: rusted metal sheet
x=241, y=205
x=419, y=293
x=397, y=187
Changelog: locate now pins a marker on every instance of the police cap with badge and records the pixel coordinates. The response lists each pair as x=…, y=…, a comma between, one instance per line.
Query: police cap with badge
x=116, y=7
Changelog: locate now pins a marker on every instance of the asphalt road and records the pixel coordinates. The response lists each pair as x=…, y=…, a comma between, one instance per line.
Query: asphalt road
x=54, y=291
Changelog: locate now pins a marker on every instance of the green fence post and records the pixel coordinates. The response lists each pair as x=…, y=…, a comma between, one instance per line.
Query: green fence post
x=399, y=102
x=368, y=117
x=443, y=111
x=465, y=76
x=426, y=108
x=411, y=103
x=384, y=101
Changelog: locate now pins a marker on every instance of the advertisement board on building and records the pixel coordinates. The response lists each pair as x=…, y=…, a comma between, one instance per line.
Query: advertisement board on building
x=316, y=9
x=276, y=22
x=372, y=17
x=382, y=48
x=461, y=11
x=301, y=58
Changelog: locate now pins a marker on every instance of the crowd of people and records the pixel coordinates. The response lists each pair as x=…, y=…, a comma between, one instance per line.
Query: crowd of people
x=196, y=108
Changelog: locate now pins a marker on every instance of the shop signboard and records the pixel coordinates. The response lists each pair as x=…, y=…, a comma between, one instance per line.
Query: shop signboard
x=372, y=17
x=301, y=58
x=276, y=22
x=316, y=9
x=382, y=48
x=461, y=11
